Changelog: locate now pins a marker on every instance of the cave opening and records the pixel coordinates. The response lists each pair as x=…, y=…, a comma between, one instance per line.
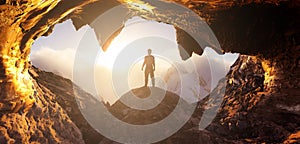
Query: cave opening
x=56, y=53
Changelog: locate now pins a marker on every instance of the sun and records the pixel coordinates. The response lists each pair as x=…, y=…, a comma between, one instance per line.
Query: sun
x=135, y=29
x=107, y=58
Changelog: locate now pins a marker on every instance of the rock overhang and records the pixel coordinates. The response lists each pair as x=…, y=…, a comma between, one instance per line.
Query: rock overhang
x=249, y=28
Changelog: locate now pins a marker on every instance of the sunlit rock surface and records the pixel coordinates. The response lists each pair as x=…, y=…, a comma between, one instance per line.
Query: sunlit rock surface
x=64, y=95
x=28, y=111
x=45, y=122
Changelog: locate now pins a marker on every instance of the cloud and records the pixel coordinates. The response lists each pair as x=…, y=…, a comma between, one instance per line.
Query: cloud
x=193, y=82
x=57, y=61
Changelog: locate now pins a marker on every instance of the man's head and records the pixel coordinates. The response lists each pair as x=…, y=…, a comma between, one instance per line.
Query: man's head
x=149, y=51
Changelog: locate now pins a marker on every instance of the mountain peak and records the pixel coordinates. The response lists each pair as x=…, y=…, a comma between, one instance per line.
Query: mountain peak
x=144, y=105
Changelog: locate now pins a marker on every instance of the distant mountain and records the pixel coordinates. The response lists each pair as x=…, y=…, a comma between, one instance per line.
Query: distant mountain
x=196, y=78
x=186, y=84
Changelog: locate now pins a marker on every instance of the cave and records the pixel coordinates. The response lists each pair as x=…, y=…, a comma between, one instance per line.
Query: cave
x=262, y=86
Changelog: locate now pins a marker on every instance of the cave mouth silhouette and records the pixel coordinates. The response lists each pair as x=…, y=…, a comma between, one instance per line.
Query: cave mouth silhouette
x=59, y=35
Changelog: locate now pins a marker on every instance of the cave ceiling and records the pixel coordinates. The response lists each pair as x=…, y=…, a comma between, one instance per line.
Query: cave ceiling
x=246, y=27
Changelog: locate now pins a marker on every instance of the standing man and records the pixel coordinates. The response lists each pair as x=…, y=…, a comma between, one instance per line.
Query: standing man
x=150, y=68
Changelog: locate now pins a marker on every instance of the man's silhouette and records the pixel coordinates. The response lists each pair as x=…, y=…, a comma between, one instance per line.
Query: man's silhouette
x=150, y=68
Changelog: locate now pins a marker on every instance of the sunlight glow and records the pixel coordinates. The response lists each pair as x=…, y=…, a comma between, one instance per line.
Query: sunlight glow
x=134, y=40
x=108, y=58
x=138, y=5
x=135, y=29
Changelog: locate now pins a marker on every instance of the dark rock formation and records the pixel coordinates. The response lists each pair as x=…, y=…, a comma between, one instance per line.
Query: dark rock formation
x=251, y=27
x=252, y=112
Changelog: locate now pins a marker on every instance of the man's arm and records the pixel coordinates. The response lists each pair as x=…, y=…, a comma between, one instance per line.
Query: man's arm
x=143, y=64
x=153, y=63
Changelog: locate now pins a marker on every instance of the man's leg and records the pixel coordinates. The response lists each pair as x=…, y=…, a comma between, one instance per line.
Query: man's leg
x=146, y=78
x=152, y=78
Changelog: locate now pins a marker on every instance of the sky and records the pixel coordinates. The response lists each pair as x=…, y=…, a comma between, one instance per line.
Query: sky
x=67, y=52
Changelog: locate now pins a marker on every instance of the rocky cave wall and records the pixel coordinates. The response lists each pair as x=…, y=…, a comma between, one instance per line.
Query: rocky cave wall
x=266, y=30
x=29, y=113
